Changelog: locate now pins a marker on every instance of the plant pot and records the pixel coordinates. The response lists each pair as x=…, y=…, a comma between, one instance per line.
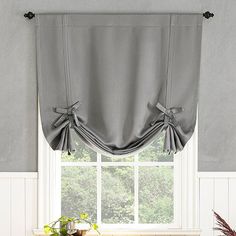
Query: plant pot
x=81, y=232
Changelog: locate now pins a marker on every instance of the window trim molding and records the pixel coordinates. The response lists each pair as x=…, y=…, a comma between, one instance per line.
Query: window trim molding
x=185, y=205
x=48, y=161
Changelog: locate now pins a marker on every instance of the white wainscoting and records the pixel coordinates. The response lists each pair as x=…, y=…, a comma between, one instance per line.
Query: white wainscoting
x=218, y=193
x=18, y=203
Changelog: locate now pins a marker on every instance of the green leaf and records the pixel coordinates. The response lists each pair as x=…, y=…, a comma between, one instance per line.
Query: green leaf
x=95, y=226
x=54, y=234
x=83, y=216
x=47, y=229
x=63, y=231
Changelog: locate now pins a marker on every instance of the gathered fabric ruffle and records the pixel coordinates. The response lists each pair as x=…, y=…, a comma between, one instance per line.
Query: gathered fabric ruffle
x=61, y=136
x=68, y=122
x=174, y=134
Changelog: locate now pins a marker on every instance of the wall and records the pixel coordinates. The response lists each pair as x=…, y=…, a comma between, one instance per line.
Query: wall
x=18, y=203
x=18, y=103
x=217, y=106
x=18, y=97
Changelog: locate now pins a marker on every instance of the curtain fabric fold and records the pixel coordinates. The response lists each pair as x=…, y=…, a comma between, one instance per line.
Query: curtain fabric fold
x=117, y=81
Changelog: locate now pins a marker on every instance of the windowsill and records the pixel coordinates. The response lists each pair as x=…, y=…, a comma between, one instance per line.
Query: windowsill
x=170, y=232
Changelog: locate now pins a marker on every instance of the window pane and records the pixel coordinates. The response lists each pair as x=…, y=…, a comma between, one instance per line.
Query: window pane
x=78, y=191
x=156, y=195
x=117, y=159
x=117, y=195
x=154, y=152
x=82, y=152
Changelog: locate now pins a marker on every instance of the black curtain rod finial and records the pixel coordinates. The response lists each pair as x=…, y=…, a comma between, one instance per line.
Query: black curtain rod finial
x=30, y=15
x=208, y=14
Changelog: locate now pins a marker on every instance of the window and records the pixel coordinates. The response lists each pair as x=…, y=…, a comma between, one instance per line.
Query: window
x=147, y=191
x=136, y=189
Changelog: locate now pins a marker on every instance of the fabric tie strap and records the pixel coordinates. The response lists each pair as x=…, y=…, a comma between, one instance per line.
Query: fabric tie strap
x=68, y=113
x=169, y=114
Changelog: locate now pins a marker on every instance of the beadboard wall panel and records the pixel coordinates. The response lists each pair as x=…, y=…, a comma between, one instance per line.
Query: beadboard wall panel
x=232, y=202
x=217, y=191
x=18, y=203
x=5, y=206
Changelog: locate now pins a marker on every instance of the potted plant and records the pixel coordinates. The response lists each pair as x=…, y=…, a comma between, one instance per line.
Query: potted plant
x=66, y=226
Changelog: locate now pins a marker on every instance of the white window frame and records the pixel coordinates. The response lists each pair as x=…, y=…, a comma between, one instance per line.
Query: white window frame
x=185, y=185
x=135, y=164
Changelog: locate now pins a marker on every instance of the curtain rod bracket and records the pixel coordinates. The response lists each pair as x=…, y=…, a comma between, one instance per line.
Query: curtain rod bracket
x=208, y=14
x=30, y=15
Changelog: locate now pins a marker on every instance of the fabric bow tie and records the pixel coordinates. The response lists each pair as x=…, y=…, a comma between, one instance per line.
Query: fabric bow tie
x=169, y=114
x=68, y=113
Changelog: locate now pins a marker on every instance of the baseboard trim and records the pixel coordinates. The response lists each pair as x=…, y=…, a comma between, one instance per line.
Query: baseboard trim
x=216, y=174
x=25, y=175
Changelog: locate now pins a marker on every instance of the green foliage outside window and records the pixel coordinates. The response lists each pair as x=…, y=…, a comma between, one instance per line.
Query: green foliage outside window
x=79, y=193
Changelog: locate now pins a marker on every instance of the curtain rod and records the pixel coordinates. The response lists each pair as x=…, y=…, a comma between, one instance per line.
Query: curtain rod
x=30, y=15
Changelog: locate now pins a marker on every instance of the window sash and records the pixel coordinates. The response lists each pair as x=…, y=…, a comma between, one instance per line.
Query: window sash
x=136, y=164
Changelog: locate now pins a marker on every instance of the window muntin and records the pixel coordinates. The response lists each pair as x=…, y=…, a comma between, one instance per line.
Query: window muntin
x=120, y=190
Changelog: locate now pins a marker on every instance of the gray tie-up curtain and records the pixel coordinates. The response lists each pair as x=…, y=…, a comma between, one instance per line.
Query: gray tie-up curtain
x=118, y=81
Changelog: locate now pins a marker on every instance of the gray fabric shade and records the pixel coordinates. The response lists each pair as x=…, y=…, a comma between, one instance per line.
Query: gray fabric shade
x=118, y=81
